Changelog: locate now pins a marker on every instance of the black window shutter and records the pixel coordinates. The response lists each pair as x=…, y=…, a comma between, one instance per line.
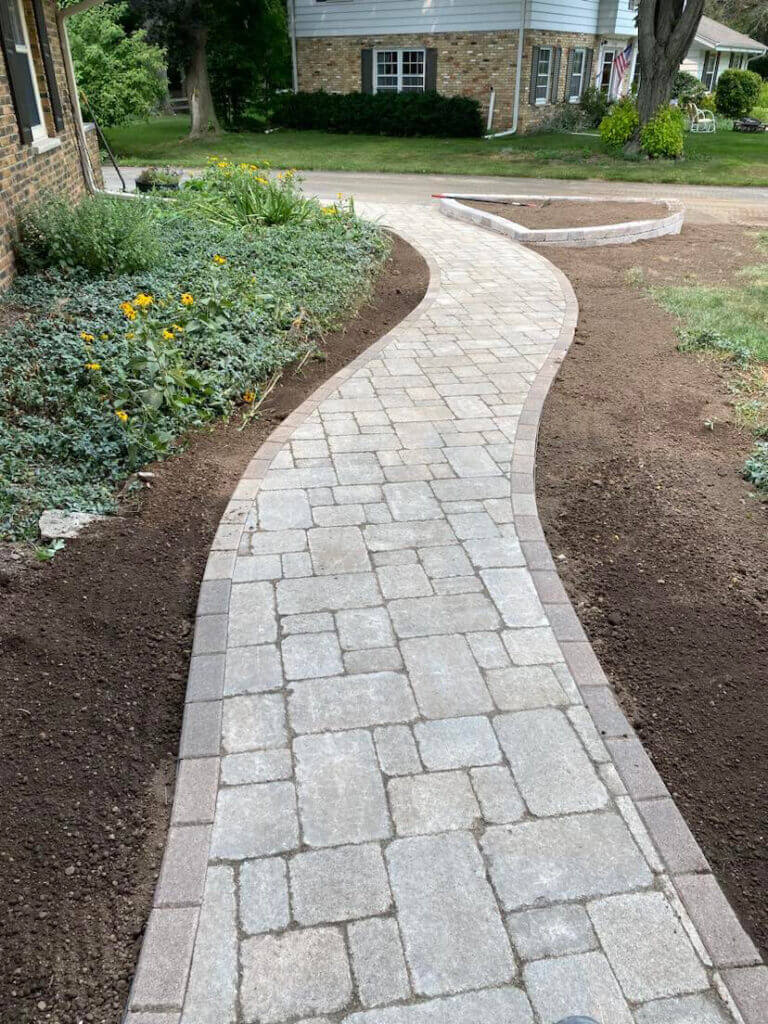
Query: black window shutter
x=430, y=71
x=366, y=70
x=588, y=57
x=554, y=79
x=534, y=69
x=50, y=71
x=568, y=73
x=18, y=78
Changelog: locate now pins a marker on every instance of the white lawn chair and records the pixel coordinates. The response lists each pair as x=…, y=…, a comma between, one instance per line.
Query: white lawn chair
x=700, y=120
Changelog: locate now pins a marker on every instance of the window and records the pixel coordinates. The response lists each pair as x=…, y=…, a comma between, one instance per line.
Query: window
x=400, y=70
x=17, y=40
x=709, y=73
x=606, y=70
x=543, y=71
x=576, y=81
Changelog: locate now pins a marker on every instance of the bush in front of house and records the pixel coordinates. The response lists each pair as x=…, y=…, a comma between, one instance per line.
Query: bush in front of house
x=688, y=88
x=247, y=195
x=618, y=127
x=737, y=92
x=100, y=235
x=594, y=105
x=662, y=136
x=103, y=374
x=384, y=113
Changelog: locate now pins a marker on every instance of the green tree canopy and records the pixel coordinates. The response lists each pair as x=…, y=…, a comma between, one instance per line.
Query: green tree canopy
x=121, y=74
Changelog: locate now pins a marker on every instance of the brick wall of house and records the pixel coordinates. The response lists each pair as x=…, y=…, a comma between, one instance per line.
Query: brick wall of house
x=24, y=174
x=468, y=64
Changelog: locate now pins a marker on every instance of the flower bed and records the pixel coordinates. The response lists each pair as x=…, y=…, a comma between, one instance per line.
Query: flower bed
x=102, y=374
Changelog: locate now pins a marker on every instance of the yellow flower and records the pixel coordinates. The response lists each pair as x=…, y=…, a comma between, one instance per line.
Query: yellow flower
x=168, y=335
x=339, y=195
x=87, y=338
x=263, y=181
x=329, y=211
x=187, y=299
x=105, y=336
x=130, y=335
x=122, y=415
x=178, y=328
x=249, y=397
x=93, y=366
x=143, y=301
x=219, y=260
x=128, y=310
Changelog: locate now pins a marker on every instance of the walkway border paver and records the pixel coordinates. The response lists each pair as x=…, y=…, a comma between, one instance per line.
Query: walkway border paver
x=173, y=936
x=452, y=204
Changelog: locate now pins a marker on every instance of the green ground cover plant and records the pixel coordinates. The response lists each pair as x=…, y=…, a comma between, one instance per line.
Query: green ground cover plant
x=730, y=322
x=101, y=373
x=720, y=158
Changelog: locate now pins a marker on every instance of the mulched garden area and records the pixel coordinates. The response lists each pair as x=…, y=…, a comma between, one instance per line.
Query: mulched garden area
x=664, y=545
x=94, y=648
x=553, y=213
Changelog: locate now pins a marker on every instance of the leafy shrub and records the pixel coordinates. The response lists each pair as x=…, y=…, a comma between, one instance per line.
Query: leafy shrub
x=238, y=195
x=385, y=113
x=688, y=88
x=121, y=75
x=662, y=136
x=761, y=113
x=565, y=117
x=707, y=102
x=594, y=106
x=158, y=177
x=756, y=467
x=618, y=127
x=737, y=92
x=100, y=235
x=102, y=375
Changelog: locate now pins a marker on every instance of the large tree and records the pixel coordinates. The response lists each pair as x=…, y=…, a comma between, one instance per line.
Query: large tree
x=665, y=30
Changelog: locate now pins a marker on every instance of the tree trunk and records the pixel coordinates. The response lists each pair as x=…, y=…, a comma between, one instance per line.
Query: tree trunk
x=665, y=30
x=201, y=109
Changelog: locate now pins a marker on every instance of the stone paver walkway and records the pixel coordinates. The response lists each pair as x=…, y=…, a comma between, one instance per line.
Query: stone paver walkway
x=393, y=806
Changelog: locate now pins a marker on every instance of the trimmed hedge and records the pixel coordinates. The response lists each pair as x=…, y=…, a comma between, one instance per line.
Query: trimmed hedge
x=387, y=113
x=737, y=92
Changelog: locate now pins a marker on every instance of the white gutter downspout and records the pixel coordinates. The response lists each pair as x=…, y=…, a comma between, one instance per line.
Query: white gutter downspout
x=518, y=72
x=294, y=58
x=61, y=17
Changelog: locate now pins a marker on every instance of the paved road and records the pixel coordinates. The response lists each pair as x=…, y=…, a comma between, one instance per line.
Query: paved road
x=394, y=806
x=705, y=204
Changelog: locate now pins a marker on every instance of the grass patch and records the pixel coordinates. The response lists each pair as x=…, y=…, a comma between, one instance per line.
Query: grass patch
x=722, y=158
x=730, y=322
x=99, y=375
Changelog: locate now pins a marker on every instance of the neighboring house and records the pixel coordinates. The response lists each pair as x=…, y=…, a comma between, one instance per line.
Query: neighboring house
x=474, y=47
x=40, y=153
x=717, y=48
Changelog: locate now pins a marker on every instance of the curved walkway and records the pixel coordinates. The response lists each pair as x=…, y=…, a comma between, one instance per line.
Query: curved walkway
x=393, y=806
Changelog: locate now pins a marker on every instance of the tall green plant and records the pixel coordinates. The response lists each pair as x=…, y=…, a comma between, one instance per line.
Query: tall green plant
x=121, y=74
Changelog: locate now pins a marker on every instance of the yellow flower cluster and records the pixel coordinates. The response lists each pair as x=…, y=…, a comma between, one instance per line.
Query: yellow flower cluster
x=128, y=310
x=187, y=299
x=122, y=415
x=219, y=260
x=329, y=211
x=87, y=338
x=93, y=366
x=249, y=397
x=143, y=301
x=168, y=335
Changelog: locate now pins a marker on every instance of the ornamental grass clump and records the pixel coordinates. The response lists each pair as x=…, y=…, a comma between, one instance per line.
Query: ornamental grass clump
x=100, y=375
x=247, y=195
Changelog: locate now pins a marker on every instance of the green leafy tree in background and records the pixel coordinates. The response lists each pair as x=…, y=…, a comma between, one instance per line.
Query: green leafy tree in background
x=121, y=74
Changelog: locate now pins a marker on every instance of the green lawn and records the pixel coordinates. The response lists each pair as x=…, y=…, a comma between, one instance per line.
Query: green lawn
x=726, y=158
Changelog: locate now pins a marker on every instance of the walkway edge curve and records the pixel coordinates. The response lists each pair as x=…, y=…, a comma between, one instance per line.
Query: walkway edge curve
x=731, y=951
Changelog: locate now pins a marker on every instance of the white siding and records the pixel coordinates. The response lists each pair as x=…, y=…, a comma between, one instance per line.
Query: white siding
x=694, y=60
x=616, y=19
x=390, y=17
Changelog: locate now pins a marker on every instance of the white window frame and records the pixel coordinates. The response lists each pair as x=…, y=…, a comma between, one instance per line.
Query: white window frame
x=713, y=54
x=576, y=97
x=400, y=51
x=601, y=69
x=542, y=101
x=39, y=131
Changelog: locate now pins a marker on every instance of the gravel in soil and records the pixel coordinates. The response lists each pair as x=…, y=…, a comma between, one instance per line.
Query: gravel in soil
x=553, y=213
x=664, y=545
x=94, y=650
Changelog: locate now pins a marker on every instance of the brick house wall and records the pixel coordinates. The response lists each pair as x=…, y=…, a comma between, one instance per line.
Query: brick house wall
x=468, y=64
x=25, y=173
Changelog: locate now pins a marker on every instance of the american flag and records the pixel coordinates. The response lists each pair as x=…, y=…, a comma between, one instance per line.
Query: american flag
x=621, y=63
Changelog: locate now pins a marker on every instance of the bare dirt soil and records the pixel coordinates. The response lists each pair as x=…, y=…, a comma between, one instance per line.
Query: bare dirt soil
x=554, y=213
x=94, y=649
x=666, y=547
